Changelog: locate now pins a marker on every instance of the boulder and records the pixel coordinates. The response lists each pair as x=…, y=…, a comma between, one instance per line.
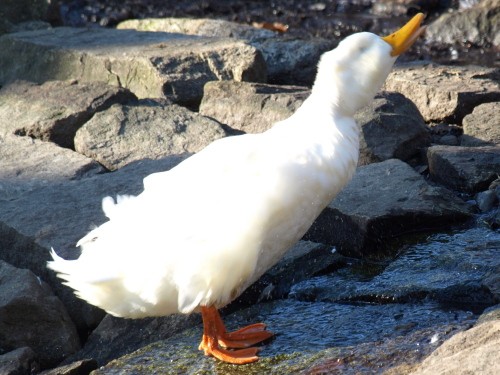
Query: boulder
x=290, y=61
x=58, y=215
x=53, y=111
x=391, y=127
x=478, y=25
x=30, y=315
x=482, y=126
x=148, y=129
x=467, y=169
x=445, y=93
x=150, y=64
x=474, y=351
x=27, y=164
x=384, y=200
x=250, y=107
x=22, y=361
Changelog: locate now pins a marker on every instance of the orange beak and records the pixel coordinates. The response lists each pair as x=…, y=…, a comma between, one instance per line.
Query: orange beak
x=402, y=39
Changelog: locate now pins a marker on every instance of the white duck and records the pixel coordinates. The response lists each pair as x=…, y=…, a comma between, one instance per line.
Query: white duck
x=201, y=233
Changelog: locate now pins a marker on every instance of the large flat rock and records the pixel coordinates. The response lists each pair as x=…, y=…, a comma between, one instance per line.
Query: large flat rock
x=150, y=64
x=445, y=93
x=384, y=200
x=27, y=164
x=290, y=61
x=147, y=129
x=55, y=110
x=467, y=169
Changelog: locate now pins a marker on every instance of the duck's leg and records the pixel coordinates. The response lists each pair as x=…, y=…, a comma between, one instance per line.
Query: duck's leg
x=215, y=337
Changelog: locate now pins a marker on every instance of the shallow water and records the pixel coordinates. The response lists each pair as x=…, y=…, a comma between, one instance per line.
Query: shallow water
x=448, y=268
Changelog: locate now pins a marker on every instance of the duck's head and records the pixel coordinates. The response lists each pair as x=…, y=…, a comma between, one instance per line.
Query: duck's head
x=351, y=74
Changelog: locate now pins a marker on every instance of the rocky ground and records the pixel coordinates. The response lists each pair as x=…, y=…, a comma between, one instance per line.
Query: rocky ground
x=398, y=275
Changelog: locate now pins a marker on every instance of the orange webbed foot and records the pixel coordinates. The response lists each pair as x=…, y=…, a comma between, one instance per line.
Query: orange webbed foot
x=215, y=338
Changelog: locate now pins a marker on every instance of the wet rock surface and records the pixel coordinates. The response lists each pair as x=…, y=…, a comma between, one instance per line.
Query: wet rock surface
x=398, y=264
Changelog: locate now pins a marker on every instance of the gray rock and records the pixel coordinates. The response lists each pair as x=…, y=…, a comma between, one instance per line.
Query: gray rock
x=445, y=93
x=16, y=11
x=292, y=61
x=126, y=133
x=474, y=351
x=479, y=25
x=54, y=111
x=22, y=361
x=289, y=61
x=467, y=169
x=150, y=64
x=199, y=26
x=391, y=127
x=482, y=126
x=250, y=107
x=486, y=200
x=30, y=315
x=83, y=367
x=384, y=200
x=27, y=164
x=58, y=215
